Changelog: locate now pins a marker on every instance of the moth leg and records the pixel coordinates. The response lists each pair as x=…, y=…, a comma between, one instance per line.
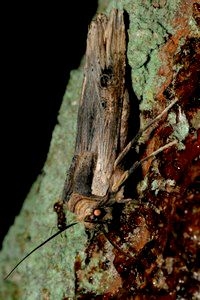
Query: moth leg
x=127, y=173
x=138, y=135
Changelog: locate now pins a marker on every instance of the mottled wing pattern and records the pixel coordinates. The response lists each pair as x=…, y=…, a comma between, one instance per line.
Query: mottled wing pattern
x=101, y=107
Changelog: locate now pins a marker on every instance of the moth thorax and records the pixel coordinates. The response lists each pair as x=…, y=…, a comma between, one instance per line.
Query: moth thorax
x=82, y=206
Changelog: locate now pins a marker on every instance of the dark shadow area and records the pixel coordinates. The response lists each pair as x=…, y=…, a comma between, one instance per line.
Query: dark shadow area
x=40, y=45
x=133, y=127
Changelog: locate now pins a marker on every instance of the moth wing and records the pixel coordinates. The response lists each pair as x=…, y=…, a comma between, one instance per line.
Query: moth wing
x=101, y=106
x=101, y=110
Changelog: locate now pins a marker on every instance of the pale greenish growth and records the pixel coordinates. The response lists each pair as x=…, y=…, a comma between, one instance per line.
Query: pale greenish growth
x=143, y=184
x=155, y=186
x=149, y=28
x=54, y=263
x=158, y=185
x=193, y=26
x=180, y=127
x=49, y=273
x=98, y=275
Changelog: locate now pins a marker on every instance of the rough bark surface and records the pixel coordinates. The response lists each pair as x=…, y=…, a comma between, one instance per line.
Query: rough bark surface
x=159, y=231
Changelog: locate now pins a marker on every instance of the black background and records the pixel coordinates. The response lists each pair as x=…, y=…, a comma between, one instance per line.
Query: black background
x=40, y=44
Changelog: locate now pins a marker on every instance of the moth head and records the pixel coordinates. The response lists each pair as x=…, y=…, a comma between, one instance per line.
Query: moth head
x=98, y=215
x=95, y=215
x=89, y=210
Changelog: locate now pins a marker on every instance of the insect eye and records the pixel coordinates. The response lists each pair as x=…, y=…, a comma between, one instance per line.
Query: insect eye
x=97, y=212
x=95, y=216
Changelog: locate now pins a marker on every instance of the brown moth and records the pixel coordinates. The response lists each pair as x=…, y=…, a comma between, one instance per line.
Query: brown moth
x=103, y=116
x=105, y=132
x=104, y=135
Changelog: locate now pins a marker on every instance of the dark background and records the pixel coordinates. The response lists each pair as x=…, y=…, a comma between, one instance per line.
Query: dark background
x=39, y=47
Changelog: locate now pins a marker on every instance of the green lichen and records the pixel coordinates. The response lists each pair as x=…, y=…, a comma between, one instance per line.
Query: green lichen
x=180, y=127
x=52, y=264
x=158, y=185
x=149, y=28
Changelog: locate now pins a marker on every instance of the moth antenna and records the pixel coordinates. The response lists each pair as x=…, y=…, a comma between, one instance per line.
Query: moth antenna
x=127, y=173
x=135, y=139
x=43, y=243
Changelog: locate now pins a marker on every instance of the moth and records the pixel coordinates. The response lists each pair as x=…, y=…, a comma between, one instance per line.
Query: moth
x=102, y=129
x=102, y=161
x=104, y=139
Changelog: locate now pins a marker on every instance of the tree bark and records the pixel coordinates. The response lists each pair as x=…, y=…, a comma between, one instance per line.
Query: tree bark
x=163, y=54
